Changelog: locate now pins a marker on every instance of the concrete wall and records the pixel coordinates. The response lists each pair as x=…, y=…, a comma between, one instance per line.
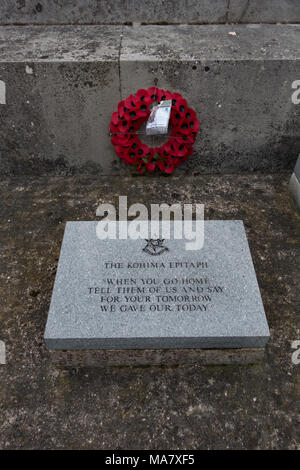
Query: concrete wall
x=239, y=85
x=61, y=84
x=148, y=11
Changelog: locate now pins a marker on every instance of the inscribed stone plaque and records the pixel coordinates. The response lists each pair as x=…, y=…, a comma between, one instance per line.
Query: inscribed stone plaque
x=136, y=294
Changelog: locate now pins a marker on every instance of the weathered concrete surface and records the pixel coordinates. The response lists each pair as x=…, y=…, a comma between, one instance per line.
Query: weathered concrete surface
x=148, y=11
x=116, y=12
x=64, y=82
x=264, y=11
x=161, y=357
x=61, y=87
x=134, y=408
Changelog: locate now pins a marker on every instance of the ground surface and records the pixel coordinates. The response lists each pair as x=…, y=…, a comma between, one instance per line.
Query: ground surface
x=188, y=407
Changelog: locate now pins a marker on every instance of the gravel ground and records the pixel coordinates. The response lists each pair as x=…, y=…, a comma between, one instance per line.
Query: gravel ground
x=187, y=407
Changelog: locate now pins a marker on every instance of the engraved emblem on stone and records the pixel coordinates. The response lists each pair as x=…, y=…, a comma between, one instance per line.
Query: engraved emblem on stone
x=155, y=247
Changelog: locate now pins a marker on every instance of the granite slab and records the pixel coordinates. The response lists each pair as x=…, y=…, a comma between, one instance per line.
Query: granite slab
x=118, y=294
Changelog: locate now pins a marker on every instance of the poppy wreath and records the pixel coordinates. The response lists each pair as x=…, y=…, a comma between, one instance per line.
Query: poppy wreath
x=135, y=110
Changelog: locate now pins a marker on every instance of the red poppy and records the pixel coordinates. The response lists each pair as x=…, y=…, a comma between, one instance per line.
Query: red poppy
x=121, y=139
x=166, y=166
x=142, y=95
x=142, y=109
x=121, y=109
x=151, y=165
x=183, y=127
x=181, y=106
x=129, y=102
x=153, y=93
x=180, y=149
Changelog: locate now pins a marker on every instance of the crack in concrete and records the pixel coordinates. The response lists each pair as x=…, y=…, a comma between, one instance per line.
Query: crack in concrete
x=227, y=12
x=245, y=9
